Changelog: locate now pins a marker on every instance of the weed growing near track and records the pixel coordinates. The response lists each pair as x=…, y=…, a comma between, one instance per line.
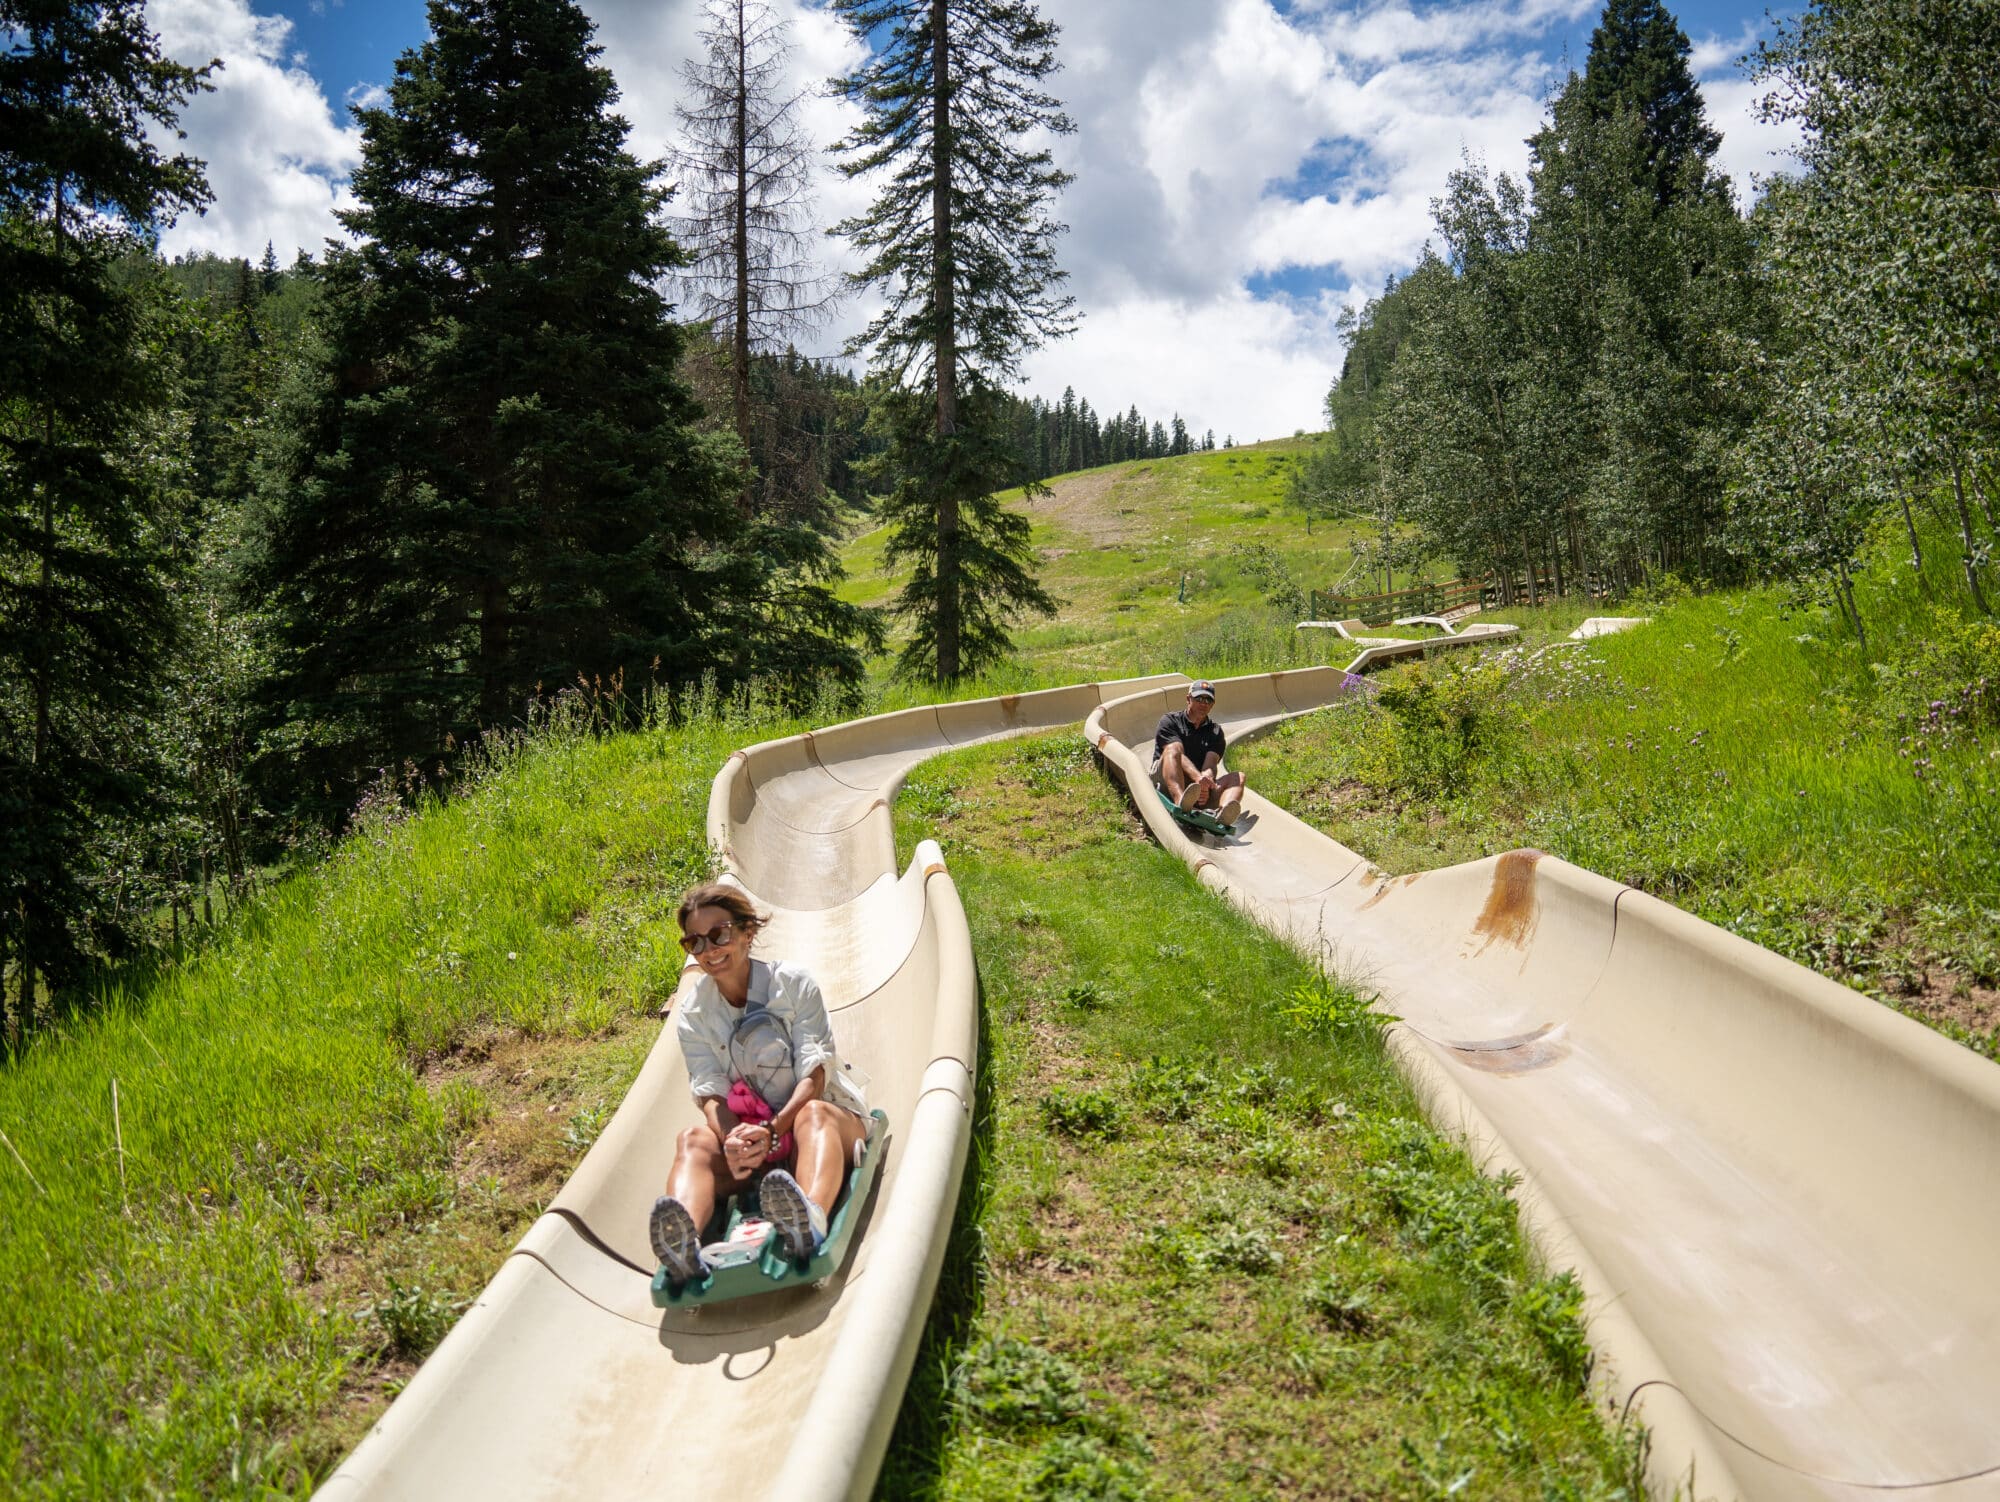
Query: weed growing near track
x=1216, y=1248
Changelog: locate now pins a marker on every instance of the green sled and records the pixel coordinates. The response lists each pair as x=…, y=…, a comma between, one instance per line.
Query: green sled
x=772, y=1269
x=1193, y=818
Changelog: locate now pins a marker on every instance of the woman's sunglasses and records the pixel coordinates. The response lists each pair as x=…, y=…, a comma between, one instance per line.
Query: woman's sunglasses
x=719, y=935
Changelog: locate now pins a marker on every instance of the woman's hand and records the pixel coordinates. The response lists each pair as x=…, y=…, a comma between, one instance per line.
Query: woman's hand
x=748, y=1144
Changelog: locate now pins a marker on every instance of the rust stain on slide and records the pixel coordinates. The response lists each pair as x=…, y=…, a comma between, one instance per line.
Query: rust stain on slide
x=1010, y=708
x=1509, y=914
x=1516, y=1055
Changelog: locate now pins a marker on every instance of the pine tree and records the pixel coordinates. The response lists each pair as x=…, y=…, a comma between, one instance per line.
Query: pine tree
x=959, y=243
x=746, y=164
x=83, y=503
x=1638, y=61
x=492, y=487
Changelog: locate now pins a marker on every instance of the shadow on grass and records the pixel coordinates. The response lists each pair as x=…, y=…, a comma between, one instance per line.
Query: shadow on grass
x=914, y=1465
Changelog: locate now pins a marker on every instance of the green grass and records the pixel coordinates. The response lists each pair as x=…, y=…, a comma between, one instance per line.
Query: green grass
x=1217, y=1247
x=1740, y=757
x=1163, y=561
x=331, y=1126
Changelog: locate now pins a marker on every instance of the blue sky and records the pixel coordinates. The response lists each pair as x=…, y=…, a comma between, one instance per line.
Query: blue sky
x=1245, y=168
x=349, y=45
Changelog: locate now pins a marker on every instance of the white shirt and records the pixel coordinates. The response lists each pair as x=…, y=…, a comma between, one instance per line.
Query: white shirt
x=705, y=1021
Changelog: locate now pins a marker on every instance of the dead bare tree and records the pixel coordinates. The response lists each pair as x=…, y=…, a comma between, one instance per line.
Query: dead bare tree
x=745, y=161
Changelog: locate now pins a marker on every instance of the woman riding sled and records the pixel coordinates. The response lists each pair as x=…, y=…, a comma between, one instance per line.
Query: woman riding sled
x=766, y=1078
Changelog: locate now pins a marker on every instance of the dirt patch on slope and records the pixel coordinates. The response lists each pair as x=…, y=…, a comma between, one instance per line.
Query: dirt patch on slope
x=1106, y=506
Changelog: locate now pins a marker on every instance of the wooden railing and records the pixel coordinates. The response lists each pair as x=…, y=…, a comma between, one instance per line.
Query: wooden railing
x=1451, y=594
x=1380, y=610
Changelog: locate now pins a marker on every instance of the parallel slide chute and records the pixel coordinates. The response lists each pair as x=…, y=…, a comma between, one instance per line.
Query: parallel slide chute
x=1783, y=1199
x=563, y=1380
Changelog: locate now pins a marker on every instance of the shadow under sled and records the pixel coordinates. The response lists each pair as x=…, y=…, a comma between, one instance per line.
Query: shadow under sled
x=761, y=1266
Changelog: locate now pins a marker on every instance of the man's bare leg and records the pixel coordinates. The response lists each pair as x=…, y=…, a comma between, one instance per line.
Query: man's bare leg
x=1232, y=798
x=1178, y=776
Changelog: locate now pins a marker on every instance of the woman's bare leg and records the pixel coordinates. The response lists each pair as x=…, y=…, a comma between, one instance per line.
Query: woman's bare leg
x=700, y=1176
x=824, y=1137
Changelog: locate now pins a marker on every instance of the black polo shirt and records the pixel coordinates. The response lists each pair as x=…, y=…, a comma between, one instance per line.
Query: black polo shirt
x=1198, y=742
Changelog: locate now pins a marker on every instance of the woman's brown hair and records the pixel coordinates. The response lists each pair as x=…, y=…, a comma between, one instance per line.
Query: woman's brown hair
x=742, y=911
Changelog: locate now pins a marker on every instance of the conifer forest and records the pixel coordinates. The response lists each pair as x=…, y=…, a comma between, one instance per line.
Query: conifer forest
x=281, y=535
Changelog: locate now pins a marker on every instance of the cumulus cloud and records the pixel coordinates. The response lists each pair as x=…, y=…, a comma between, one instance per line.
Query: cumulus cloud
x=1223, y=144
x=1224, y=148
x=1248, y=367
x=278, y=162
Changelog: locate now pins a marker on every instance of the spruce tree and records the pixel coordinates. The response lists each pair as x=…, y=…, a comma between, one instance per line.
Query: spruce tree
x=84, y=92
x=491, y=487
x=1634, y=292
x=1638, y=61
x=961, y=247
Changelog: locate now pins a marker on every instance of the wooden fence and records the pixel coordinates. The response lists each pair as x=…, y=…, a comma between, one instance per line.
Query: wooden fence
x=1380, y=610
x=1452, y=594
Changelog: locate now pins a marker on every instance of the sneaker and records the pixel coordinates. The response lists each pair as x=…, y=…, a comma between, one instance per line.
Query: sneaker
x=801, y=1224
x=676, y=1239
x=1190, y=796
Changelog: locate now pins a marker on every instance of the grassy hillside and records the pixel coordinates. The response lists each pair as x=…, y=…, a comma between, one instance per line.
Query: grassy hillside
x=253, y=1189
x=1748, y=762
x=246, y=1196
x=1213, y=1247
x=1744, y=757
x=1160, y=561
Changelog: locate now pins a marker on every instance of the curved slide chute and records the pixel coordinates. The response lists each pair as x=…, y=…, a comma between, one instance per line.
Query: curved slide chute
x=563, y=1380
x=1783, y=1199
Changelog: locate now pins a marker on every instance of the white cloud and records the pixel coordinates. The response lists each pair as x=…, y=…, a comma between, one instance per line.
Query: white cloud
x=1710, y=56
x=1247, y=367
x=1222, y=143
x=1218, y=142
x=278, y=162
